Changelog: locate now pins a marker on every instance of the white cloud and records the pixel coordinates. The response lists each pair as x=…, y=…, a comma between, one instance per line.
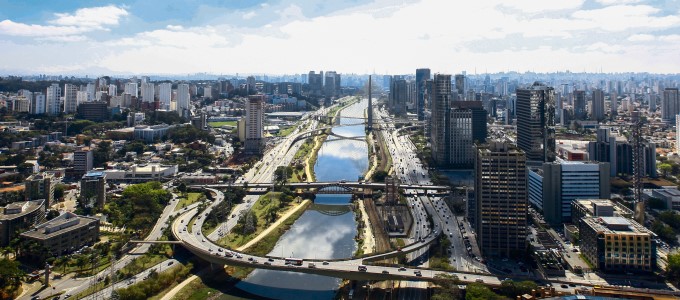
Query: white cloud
x=610, y=2
x=67, y=27
x=536, y=6
x=641, y=38
x=64, y=38
x=93, y=17
x=625, y=17
x=249, y=15
x=174, y=27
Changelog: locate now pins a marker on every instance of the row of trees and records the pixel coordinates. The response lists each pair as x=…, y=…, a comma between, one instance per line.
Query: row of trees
x=667, y=226
x=152, y=286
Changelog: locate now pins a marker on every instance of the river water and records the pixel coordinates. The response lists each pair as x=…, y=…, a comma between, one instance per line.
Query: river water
x=327, y=229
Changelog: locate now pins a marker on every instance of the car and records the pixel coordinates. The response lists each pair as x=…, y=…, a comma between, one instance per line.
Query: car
x=325, y=262
x=267, y=263
x=385, y=272
x=270, y=259
x=402, y=269
x=253, y=261
x=219, y=249
x=564, y=286
x=250, y=259
x=417, y=273
x=67, y=296
x=170, y=263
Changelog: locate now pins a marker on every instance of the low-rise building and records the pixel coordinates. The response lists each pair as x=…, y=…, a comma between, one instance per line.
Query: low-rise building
x=199, y=179
x=670, y=195
x=149, y=134
x=65, y=233
x=134, y=173
x=583, y=208
x=617, y=244
x=20, y=216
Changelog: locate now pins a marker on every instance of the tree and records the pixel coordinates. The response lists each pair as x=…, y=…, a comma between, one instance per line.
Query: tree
x=379, y=176
x=665, y=169
x=10, y=273
x=476, y=291
x=513, y=289
x=673, y=267
x=448, y=287
x=102, y=154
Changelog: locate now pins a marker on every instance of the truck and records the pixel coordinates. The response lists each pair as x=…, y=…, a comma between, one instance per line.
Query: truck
x=311, y=265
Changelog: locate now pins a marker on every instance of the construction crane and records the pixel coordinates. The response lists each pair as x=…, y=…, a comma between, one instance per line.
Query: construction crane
x=636, y=140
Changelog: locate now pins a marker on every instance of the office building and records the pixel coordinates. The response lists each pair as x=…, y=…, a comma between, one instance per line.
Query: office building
x=440, y=121
x=501, y=199
x=82, y=161
x=19, y=216
x=165, y=95
x=254, y=142
x=580, y=112
x=554, y=185
x=459, y=90
x=616, y=244
x=398, y=96
x=93, y=189
x=468, y=126
x=82, y=97
x=677, y=134
x=96, y=111
x=598, y=105
x=584, y=208
x=315, y=83
x=331, y=84
x=40, y=186
x=53, y=99
x=670, y=105
x=613, y=104
x=113, y=90
x=65, y=234
x=183, y=100
x=422, y=76
x=150, y=134
x=535, y=109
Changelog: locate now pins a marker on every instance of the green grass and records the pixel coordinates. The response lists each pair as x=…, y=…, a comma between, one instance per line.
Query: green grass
x=190, y=198
x=220, y=124
x=265, y=203
x=266, y=244
x=287, y=131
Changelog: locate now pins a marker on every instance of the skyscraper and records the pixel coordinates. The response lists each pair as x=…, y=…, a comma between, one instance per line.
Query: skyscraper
x=580, y=105
x=598, y=105
x=422, y=75
x=535, y=109
x=183, y=98
x=148, y=92
x=315, y=83
x=500, y=199
x=70, y=98
x=398, y=95
x=254, y=142
x=467, y=127
x=81, y=97
x=670, y=105
x=53, y=99
x=38, y=103
x=131, y=88
x=459, y=94
x=440, y=106
x=113, y=90
x=165, y=94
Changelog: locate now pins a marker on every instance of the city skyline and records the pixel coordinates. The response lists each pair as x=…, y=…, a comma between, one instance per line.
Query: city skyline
x=379, y=36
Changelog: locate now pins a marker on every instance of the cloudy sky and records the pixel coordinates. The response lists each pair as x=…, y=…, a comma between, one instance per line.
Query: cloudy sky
x=350, y=36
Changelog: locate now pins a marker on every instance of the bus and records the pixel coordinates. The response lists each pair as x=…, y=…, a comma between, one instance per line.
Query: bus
x=294, y=261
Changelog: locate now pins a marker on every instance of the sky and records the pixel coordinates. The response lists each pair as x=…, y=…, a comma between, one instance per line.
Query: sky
x=177, y=37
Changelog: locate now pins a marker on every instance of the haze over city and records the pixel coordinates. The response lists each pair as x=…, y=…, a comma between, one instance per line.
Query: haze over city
x=384, y=37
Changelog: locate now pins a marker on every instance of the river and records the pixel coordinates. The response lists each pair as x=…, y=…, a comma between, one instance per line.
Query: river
x=327, y=229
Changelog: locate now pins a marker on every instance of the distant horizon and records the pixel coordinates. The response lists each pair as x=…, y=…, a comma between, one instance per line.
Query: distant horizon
x=246, y=74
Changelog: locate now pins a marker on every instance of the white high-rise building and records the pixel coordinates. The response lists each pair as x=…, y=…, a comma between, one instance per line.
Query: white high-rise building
x=81, y=97
x=53, y=99
x=113, y=90
x=183, y=98
x=131, y=88
x=38, y=103
x=165, y=94
x=70, y=98
x=90, y=91
x=148, y=92
x=677, y=134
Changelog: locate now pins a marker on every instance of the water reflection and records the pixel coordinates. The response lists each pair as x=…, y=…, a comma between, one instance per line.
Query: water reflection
x=319, y=234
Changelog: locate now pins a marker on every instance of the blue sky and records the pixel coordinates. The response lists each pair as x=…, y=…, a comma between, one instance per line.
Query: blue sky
x=351, y=36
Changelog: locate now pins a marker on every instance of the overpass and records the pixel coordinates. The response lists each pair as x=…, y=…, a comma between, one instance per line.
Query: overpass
x=340, y=268
x=344, y=185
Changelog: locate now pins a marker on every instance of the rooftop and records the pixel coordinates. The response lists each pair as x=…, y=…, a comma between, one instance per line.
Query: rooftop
x=616, y=225
x=63, y=223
